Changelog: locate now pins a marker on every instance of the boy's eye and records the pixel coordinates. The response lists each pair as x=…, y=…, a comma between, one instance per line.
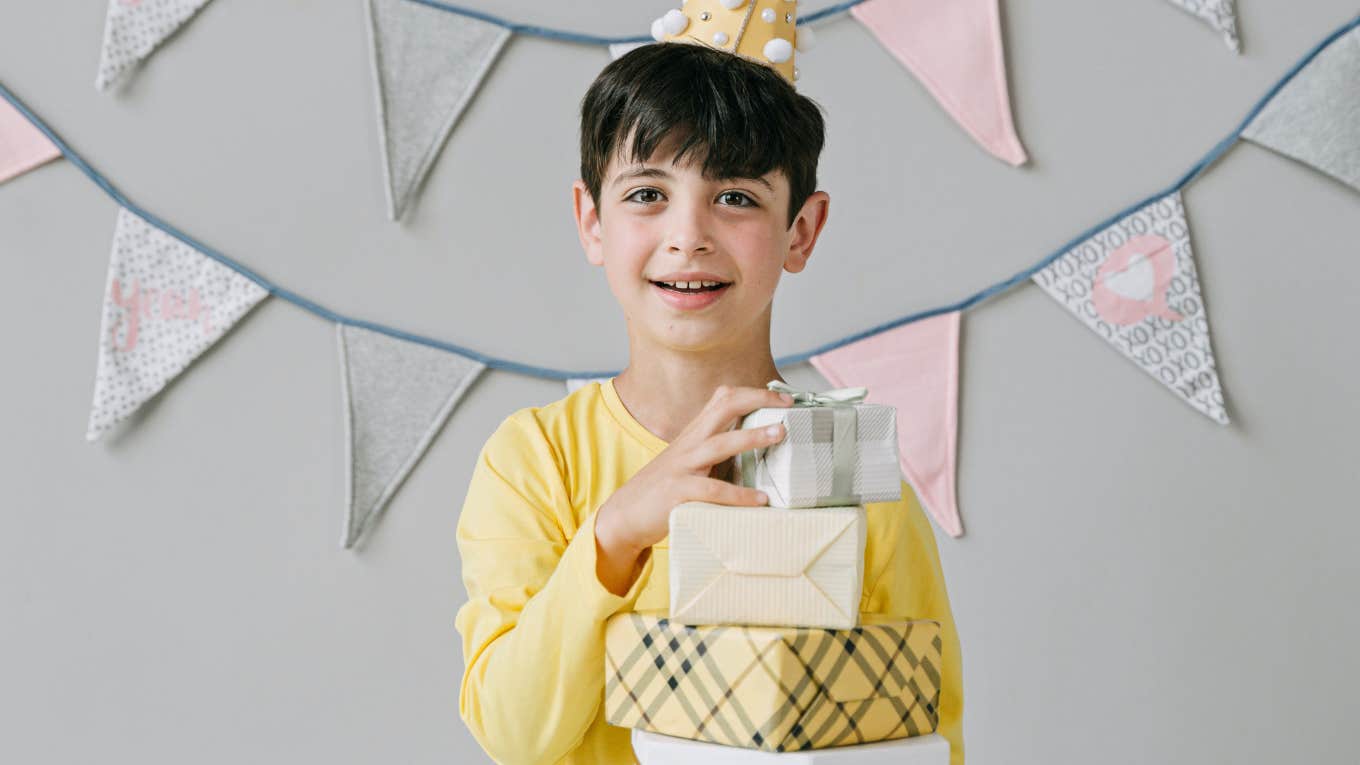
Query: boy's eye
x=650, y=195
x=729, y=195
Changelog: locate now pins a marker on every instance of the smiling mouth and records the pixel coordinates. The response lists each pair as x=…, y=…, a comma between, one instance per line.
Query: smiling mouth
x=692, y=288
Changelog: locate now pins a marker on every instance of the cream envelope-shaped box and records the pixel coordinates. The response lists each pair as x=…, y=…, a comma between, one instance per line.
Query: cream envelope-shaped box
x=766, y=565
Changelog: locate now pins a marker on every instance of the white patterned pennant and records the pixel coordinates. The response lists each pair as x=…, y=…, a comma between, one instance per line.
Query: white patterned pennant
x=133, y=29
x=427, y=64
x=576, y=383
x=617, y=50
x=1219, y=14
x=1135, y=284
x=165, y=303
x=397, y=395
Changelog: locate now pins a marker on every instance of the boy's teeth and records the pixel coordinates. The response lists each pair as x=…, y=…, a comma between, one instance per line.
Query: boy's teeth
x=690, y=285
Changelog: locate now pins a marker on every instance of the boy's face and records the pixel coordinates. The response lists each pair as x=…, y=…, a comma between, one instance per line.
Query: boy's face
x=659, y=223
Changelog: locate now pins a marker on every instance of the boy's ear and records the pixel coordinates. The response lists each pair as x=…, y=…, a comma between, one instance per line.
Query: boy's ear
x=805, y=230
x=587, y=222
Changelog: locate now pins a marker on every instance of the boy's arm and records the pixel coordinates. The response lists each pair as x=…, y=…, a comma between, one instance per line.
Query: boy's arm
x=911, y=584
x=533, y=625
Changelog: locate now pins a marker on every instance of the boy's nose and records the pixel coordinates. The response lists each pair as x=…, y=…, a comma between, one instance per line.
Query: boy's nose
x=689, y=232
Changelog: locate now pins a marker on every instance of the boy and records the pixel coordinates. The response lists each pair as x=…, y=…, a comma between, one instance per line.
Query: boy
x=698, y=178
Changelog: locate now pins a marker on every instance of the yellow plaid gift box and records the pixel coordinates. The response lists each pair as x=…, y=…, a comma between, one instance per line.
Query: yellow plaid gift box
x=778, y=689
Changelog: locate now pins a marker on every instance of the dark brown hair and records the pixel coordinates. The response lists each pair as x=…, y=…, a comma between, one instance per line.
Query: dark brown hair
x=741, y=117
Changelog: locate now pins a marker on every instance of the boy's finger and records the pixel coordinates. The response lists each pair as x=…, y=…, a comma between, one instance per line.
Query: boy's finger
x=726, y=445
x=724, y=493
x=730, y=403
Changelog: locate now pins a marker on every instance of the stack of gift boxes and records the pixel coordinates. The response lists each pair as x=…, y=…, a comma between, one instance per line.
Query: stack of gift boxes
x=764, y=646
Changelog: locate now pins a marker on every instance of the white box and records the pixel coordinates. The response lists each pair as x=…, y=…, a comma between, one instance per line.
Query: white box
x=656, y=749
x=766, y=566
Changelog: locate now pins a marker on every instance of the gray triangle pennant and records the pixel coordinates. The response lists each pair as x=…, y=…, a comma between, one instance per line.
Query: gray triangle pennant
x=134, y=28
x=1135, y=284
x=397, y=395
x=1315, y=118
x=427, y=66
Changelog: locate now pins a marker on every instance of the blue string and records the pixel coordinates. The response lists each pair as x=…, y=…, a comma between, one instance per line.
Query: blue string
x=578, y=37
x=558, y=374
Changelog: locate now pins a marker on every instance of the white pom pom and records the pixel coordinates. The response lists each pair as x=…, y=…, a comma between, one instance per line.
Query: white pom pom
x=674, y=22
x=767, y=15
x=806, y=38
x=778, y=50
x=658, y=31
x=732, y=5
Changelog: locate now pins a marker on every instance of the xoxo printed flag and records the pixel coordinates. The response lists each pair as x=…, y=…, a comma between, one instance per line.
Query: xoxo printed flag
x=1219, y=14
x=1135, y=284
x=165, y=304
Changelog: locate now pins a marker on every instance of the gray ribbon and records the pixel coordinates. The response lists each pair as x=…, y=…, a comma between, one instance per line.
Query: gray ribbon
x=844, y=443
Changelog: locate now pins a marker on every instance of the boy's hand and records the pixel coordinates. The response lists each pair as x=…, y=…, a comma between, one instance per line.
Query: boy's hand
x=637, y=515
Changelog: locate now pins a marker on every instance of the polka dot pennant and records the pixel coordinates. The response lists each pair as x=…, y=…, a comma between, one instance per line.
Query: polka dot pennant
x=1134, y=283
x=165, y=303
x=134, y=28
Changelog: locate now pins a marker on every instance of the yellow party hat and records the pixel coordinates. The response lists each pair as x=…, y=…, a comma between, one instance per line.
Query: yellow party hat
x=764, y=31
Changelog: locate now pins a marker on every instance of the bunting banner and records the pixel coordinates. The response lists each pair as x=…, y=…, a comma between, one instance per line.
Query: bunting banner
x=1132, y=279
x=22, y=146
x=1315, y=119
x=915, y=368
x=397, y=395
x=164, y=305
x=1221, y=15
x=954, y=48
x=430, y=57
x=1134, y=283
x=427, y=66
x=135, y=28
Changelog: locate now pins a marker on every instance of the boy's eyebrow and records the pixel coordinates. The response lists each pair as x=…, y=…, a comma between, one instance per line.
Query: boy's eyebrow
x=656, y=172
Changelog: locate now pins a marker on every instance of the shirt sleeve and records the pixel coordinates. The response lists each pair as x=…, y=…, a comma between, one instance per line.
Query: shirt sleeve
x=533, y=624
x=911, y=584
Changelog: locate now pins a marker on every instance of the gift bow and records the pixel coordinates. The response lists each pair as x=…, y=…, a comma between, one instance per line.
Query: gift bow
x=825, y=398
x=843, y=449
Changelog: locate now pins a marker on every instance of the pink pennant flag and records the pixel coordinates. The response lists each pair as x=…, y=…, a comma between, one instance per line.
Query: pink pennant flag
x=22, y=146
x=914, y=368
x=954, y=48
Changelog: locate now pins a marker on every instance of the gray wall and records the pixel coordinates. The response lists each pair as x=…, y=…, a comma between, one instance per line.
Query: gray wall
x=1137, y=583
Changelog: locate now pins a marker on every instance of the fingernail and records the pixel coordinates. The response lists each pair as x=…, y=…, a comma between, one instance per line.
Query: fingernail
x=786, y=398
x=772, y=431
x=761, y=498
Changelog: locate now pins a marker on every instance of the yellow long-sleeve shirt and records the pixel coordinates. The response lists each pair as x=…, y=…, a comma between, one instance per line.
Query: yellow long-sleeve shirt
x=533, y=625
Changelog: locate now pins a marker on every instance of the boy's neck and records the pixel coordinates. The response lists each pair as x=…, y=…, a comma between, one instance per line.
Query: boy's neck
x=664, y=389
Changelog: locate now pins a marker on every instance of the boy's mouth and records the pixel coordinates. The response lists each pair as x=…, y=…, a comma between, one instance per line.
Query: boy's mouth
x=692, y=287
